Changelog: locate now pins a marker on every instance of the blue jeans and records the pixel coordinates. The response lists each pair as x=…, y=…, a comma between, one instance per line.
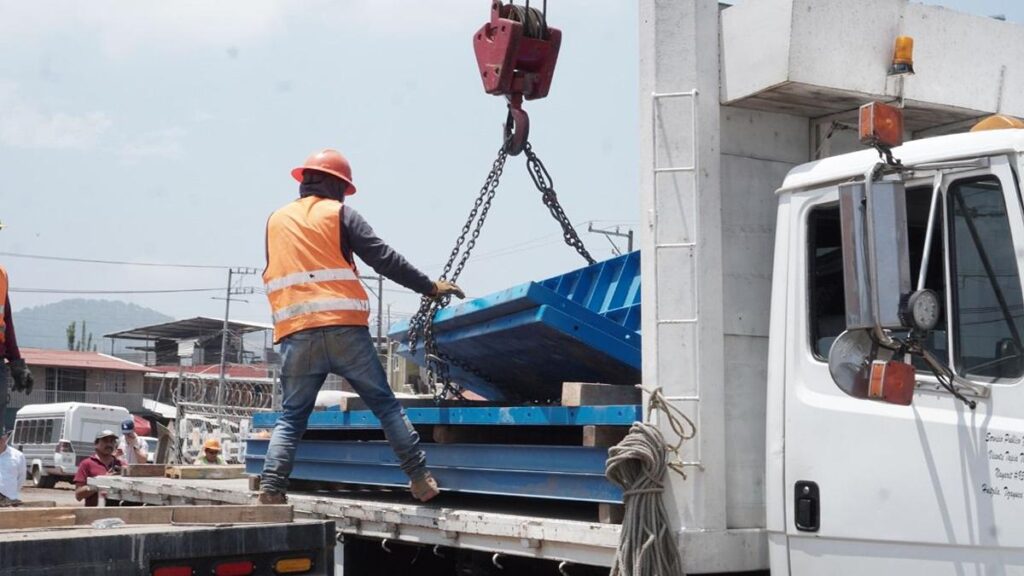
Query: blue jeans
x=307, y=358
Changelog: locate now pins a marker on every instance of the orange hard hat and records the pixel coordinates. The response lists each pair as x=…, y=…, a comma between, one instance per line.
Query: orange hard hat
x=211, y=444
x=330, y=162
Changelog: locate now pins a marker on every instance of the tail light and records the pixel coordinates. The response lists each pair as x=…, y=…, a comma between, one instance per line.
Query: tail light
x=236, y=568
x=65, y=447
x=293, y=565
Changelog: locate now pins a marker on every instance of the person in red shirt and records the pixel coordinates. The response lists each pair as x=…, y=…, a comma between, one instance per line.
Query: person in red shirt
x=102, y=463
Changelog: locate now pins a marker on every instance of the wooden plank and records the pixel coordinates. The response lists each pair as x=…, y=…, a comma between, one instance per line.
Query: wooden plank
x=592, y=394
x=206, y=472
x=603, y=435
x=144, y=470
x=20, y=518
x=130, y=514
x=38, y=504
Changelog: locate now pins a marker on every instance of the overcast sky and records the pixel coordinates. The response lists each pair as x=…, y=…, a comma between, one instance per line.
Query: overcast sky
x=165, y=133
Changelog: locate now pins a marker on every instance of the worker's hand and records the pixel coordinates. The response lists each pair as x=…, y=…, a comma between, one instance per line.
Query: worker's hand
x=23, y=381
x=444, y=288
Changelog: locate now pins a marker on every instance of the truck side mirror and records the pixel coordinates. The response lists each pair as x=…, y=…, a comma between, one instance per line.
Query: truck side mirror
x=864, y=370
x=888, y=263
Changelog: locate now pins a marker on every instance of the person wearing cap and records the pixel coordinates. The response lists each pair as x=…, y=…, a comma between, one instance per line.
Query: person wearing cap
x=102, y=463
x=211, y=453
x=15, y=365
x=12, y=471
x=321, y=316
x=131, y=448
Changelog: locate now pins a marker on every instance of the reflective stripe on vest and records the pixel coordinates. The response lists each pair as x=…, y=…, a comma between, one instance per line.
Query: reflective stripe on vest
x=306, y=277
x=309, y=283
x=332, y=305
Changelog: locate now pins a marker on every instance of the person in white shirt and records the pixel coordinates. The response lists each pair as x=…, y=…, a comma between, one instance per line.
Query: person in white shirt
x=131, y=448
x=12, y=472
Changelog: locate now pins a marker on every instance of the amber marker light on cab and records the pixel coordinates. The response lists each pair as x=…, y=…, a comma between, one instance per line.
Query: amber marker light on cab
x=881, y=125
x=998, y=122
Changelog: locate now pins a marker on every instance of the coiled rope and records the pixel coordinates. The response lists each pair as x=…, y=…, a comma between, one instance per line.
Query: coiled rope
x=647, y=544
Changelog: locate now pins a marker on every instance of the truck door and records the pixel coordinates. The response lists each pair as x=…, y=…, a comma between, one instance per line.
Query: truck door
x=933, y=488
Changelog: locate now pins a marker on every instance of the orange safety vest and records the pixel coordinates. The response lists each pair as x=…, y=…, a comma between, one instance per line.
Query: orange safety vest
x=309, y=283
x=3, y=304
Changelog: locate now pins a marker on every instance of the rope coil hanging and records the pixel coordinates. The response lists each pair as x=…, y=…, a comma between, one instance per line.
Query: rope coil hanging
x=637, y=464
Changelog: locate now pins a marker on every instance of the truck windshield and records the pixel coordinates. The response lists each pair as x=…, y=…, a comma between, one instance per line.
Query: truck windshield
x=987, y=299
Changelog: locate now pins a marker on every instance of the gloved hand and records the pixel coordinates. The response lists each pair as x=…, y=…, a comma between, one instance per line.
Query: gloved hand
x=444, y=288
x=23, y=380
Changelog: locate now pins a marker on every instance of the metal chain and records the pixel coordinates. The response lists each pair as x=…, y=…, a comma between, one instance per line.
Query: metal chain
x=422, y=322
x=542, y=179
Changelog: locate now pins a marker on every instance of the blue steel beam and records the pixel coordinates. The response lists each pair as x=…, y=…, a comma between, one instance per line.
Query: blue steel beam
x=619, y=415
x=552, y=472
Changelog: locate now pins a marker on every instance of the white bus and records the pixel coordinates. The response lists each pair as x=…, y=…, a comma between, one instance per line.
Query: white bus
x=56, y=437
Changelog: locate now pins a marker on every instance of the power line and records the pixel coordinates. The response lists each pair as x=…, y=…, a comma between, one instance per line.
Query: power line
x=118, y=262
x=80, y=291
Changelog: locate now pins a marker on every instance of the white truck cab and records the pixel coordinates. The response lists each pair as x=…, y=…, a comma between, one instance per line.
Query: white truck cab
x=936, y=486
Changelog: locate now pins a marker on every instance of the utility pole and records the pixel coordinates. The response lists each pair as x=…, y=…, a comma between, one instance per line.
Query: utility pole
x=380, y=307
x=231, y=290
x=608, y=233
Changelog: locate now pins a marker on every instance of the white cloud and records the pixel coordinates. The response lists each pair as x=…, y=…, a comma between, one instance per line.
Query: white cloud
x=24, y=124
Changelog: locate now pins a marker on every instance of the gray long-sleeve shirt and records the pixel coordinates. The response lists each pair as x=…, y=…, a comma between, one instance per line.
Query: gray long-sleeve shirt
x=358, y=237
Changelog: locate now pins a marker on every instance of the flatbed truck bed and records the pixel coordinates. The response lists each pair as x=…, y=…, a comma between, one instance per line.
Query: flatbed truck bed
x=545, y=530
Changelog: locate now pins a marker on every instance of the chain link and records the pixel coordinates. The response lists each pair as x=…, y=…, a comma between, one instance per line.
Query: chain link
x=422, y=323
x=542, y=179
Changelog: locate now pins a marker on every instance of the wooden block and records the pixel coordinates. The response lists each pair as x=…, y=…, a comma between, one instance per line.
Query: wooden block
x=611, y=513
x=144, y=470
x=590, y=394
x=206, y=472
x=604, y=435
x=19, y=518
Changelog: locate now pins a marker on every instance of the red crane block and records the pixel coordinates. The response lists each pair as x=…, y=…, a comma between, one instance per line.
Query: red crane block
x=511, y=61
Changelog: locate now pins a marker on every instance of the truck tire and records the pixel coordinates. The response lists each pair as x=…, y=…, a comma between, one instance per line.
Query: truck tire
x=41, y=480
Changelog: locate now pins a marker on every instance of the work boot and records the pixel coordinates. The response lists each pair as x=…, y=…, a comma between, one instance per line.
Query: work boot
x=273, y=498
x=6, y=502
x=424, y=487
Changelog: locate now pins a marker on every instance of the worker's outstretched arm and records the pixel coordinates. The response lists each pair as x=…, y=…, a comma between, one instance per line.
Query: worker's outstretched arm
x=359, y=237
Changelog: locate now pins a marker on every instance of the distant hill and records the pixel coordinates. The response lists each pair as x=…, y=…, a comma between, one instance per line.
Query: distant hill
x=46, y=326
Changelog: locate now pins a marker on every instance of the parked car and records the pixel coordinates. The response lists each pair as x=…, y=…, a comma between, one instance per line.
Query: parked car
x=56, y=437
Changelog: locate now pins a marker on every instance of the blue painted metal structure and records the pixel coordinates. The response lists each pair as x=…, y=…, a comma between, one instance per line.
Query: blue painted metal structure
x=551, y=472
x=528, y=339
x=620, y=415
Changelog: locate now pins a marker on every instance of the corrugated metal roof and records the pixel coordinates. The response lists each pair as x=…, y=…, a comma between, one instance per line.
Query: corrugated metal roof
x=83, y=360
x=191, y=328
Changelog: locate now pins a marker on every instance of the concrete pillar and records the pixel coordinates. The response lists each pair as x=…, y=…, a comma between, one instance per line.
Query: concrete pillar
x=681, y=242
